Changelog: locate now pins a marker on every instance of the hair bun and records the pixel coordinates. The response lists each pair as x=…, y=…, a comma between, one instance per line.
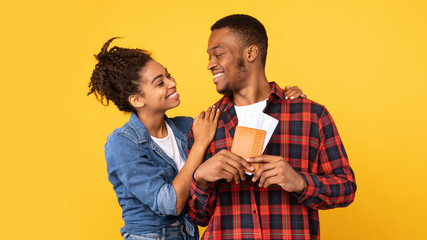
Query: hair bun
x=104, y=50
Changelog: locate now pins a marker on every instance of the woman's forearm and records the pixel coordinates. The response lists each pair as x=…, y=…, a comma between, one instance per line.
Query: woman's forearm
x=182, y=181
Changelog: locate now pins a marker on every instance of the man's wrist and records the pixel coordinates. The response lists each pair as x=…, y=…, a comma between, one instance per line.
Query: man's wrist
x=301, y=185
x=200, y=181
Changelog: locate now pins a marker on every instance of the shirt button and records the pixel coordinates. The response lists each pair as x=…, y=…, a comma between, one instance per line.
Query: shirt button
x=254, y=211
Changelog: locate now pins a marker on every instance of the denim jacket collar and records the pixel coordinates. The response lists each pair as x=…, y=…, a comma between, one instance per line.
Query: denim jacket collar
x=144, y=135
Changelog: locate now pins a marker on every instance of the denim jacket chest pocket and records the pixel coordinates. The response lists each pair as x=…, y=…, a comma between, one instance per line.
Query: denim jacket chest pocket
x=160, y=158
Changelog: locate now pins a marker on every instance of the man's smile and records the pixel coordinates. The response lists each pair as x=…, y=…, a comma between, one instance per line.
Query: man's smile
x=216, y=76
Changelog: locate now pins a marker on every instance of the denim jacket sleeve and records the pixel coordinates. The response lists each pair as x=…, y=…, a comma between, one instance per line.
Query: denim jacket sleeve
x=129, y=161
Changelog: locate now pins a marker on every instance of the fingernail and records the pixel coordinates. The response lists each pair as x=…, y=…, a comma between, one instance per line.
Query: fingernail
x=292, y=97
x=251, y=168
x=286, y=98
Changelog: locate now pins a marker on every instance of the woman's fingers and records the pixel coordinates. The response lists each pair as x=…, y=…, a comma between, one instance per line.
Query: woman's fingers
x=208, y=113
x=212, y=115
x=202, y=115
x=293, y=92
x=217, y=113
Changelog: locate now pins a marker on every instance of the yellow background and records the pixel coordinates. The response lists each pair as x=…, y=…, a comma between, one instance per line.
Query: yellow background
x=365, y=60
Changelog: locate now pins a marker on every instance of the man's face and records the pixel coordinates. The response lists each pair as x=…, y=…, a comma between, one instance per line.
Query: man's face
x=226, y=61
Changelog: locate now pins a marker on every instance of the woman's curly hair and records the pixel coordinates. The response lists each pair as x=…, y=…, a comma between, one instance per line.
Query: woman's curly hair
x=117, y=75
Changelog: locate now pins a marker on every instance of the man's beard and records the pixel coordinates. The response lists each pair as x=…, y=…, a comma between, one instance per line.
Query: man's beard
x=229, y=88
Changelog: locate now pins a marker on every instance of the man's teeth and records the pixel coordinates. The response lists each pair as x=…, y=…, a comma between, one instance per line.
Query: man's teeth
x=217, y=75
x=172, y=95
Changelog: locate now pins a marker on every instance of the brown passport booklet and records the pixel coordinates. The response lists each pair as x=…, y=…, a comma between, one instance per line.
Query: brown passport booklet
x=248, y=142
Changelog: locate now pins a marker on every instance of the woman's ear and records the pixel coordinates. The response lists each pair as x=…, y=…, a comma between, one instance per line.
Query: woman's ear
x=137, y=101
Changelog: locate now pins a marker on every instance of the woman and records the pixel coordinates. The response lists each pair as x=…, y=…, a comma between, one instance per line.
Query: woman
x=147, y=158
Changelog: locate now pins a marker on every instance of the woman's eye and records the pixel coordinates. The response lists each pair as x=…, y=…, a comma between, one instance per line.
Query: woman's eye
x=169, y=75
x=160, y=84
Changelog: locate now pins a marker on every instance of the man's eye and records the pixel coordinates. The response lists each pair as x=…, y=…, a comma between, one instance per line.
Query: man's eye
x=219, y=55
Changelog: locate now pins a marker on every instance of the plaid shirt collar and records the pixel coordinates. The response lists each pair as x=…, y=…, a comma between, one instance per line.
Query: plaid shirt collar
x=276, y=95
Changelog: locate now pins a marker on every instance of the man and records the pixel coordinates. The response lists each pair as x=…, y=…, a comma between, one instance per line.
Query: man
x=304, y=167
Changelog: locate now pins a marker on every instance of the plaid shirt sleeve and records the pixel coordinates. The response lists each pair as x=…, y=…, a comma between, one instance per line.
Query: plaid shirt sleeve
x=334, y=184
x=202, y=201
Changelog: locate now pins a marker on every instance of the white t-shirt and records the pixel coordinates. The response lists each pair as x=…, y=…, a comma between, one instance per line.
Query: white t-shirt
x=170, y=147
x=248, y=115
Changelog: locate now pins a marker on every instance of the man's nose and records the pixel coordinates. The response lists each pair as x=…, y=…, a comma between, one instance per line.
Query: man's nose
x=212, y=64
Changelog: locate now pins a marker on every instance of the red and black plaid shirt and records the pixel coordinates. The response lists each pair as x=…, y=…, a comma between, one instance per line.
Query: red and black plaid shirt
x=307, y=138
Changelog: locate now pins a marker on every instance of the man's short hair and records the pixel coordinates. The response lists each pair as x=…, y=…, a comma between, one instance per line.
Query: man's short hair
x=248, y=30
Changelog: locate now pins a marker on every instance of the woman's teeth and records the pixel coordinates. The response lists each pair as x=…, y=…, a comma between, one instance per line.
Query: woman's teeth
x=172, y=95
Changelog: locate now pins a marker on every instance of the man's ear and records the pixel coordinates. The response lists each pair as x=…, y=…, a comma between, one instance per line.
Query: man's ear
x=137, y=101
x=252, y=53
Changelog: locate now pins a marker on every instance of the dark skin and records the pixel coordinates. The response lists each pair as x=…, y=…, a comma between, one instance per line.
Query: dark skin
x=249, y=85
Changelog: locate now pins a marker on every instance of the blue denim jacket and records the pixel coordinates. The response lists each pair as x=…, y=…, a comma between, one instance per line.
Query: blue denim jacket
x=142, y=175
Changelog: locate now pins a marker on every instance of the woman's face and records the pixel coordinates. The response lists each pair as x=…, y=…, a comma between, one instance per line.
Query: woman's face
x=158, y=88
